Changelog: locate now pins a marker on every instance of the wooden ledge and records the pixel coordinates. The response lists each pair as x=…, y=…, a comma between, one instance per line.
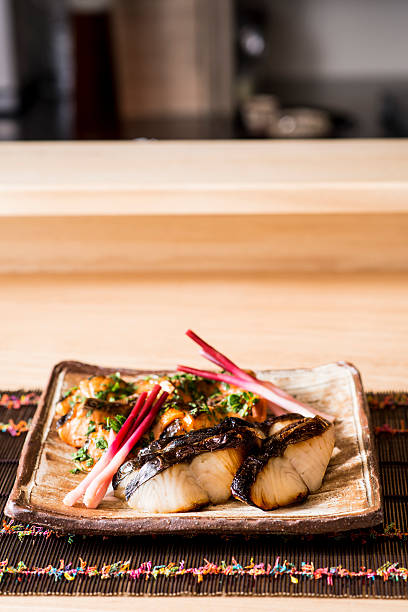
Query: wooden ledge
x=204, y=178
x=205, y=243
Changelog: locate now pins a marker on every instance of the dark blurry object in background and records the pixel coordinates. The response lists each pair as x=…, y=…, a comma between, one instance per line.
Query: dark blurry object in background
x=262, y=116
x=181, y=68
x=35, y=61
x=338, y=57
x=95, y=108
x=174, y=128
x=251, y=35
x=173, y=59
x=251, y=42
x=257, y=112
x=394, y=115
x=301, y=122
x=8, y=74
x=41, y=72
x=9, y=128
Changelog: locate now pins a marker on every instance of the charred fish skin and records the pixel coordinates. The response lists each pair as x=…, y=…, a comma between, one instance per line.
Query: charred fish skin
x=90, y=405
x=64, y=419
x=278, y=447
x=163, y=453
x=174, y=429
x=274, y=424
x=91, y=415
x=125, y=469
x=303, y=430
x=251, y=467
x=141, y=475
x=212, y=452
x=245, y=478
x=231, y=433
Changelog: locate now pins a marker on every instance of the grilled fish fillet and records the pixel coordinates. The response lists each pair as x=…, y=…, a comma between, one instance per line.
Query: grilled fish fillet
x=291, y=464
x=208, y=458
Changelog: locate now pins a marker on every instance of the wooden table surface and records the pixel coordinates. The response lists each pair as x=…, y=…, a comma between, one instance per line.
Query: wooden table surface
x=276, y=320
x=262, y=321
x=308, y=279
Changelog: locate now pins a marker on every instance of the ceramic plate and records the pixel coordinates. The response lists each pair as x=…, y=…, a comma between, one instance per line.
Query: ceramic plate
x=349, y=497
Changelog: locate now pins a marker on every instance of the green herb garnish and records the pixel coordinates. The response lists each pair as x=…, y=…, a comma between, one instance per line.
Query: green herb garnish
x=240, y=402
x=81, y=454
x=117, y=389
x=91, y=428
x=115, y=423
x=67, y=393
x=101, y=443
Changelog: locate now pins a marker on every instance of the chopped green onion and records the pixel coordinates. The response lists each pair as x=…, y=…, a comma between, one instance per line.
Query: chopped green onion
x=101, y=443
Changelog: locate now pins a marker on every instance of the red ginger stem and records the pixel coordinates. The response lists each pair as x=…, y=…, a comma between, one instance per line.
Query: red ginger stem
x=73, y=496
x=97, y=489
x=242, y=379
x=218, y=358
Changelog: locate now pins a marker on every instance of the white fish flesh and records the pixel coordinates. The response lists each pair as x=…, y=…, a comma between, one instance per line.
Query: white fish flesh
x=290, y=464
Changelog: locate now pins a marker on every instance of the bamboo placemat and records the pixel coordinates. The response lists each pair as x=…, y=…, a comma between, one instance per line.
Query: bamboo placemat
x=369, y=563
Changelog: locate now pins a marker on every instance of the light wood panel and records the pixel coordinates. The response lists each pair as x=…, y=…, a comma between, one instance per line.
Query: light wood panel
x=263, y=321
x=238, y=243
x=247, y=177
x=196, y=604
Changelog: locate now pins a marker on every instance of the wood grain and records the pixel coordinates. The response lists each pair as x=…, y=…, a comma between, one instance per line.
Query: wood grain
x=180, y=244
x=231, y=177
x=262, y=320
x=195, y=604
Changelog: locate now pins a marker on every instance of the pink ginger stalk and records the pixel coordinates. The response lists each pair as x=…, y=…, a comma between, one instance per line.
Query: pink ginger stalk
x=97, y=489
x=111, y=437
x=280, y=401
x=73, y=496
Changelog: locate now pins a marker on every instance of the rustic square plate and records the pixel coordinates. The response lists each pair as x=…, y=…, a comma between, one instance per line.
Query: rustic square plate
x=349, y=497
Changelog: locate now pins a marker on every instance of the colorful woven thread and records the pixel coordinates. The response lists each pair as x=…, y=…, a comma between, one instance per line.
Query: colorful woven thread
x=387, y=429
x=15, y=401
x=383, y=401
x=388, y=571
x=21, y=531
x=15, y=429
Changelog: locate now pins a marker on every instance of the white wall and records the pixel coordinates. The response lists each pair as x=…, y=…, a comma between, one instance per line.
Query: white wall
x=338, y=38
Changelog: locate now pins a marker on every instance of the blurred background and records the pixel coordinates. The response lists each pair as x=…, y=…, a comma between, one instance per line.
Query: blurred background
x=125, y=69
